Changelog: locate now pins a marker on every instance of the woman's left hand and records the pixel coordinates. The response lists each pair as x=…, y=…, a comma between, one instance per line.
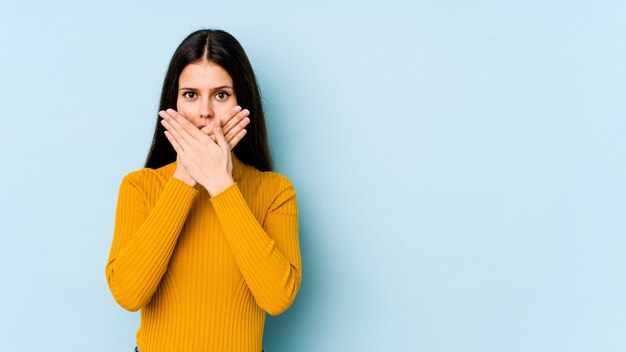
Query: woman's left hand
x=208, y=162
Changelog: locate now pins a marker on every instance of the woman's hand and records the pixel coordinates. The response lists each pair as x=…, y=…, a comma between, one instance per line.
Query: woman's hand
x=236, y=120
x=207, y=160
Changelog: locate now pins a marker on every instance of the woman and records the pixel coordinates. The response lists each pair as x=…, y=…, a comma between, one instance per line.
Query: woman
x=205, y=239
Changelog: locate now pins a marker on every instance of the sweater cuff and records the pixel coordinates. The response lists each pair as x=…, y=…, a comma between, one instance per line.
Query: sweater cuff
x=227, y=197
x=179, y=190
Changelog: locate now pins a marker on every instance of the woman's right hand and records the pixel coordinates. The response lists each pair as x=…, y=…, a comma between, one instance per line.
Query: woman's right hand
x=233, y=127
x=234, y=130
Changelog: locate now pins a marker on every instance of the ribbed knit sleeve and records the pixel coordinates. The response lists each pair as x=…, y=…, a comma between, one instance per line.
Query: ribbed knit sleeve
x=268, y=255
x=144, y=239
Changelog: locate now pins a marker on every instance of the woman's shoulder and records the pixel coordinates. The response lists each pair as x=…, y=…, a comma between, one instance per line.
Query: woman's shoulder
x=146, y=177
x=247, y=172
x=271, y=183
x=276, y=188
x=276, y=177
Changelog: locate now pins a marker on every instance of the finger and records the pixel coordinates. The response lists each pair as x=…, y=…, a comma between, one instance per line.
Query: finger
x=169, y=123
x=174, y=143
x=181, y=120
x=219, y=136
x=234, y=121
x=235, y=131
x=180, y=139
x=181, y=124
x=231, y=122
x=229, y=114
x=232, y=132
x=208, y=130
x=181, y=129
x=233, y=142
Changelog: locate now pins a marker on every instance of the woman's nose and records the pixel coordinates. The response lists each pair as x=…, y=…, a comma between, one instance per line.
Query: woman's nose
x=206, y=110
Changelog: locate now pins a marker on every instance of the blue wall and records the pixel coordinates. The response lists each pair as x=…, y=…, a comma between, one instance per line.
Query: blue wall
x=459, y=167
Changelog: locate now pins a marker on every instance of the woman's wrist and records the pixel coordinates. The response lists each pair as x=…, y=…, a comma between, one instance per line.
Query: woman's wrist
x=188, y=180
x=219, y=185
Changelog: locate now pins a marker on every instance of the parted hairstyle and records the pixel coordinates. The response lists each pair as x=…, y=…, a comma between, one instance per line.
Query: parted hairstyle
x=221, y=48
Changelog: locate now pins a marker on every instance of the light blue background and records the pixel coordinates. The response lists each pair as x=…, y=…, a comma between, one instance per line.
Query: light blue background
x=459, y=167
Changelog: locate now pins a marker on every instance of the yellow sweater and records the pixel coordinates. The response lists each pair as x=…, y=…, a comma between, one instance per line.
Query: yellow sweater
x=204, y=271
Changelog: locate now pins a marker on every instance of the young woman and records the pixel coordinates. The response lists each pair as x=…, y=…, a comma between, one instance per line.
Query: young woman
x=205, y=240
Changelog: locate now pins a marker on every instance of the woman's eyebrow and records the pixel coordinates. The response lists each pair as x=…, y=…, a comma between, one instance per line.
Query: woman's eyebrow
x=216, y=88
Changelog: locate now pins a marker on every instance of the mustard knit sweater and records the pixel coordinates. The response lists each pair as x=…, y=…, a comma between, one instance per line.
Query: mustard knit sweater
x=204, y=271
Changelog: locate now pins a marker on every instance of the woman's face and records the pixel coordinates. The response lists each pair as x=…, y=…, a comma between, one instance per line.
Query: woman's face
x=205, y=91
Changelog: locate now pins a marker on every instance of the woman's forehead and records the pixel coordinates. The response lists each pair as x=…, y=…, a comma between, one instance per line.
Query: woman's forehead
x=204, y=75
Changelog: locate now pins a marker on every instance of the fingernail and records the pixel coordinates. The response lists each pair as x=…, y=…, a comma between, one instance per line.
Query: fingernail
x=237, y=108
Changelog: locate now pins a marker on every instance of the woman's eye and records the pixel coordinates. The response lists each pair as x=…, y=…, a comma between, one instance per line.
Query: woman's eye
x=185, y=94
x=222, y=95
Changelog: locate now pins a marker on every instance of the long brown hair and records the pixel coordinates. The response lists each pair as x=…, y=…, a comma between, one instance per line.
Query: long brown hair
x=221, y=48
